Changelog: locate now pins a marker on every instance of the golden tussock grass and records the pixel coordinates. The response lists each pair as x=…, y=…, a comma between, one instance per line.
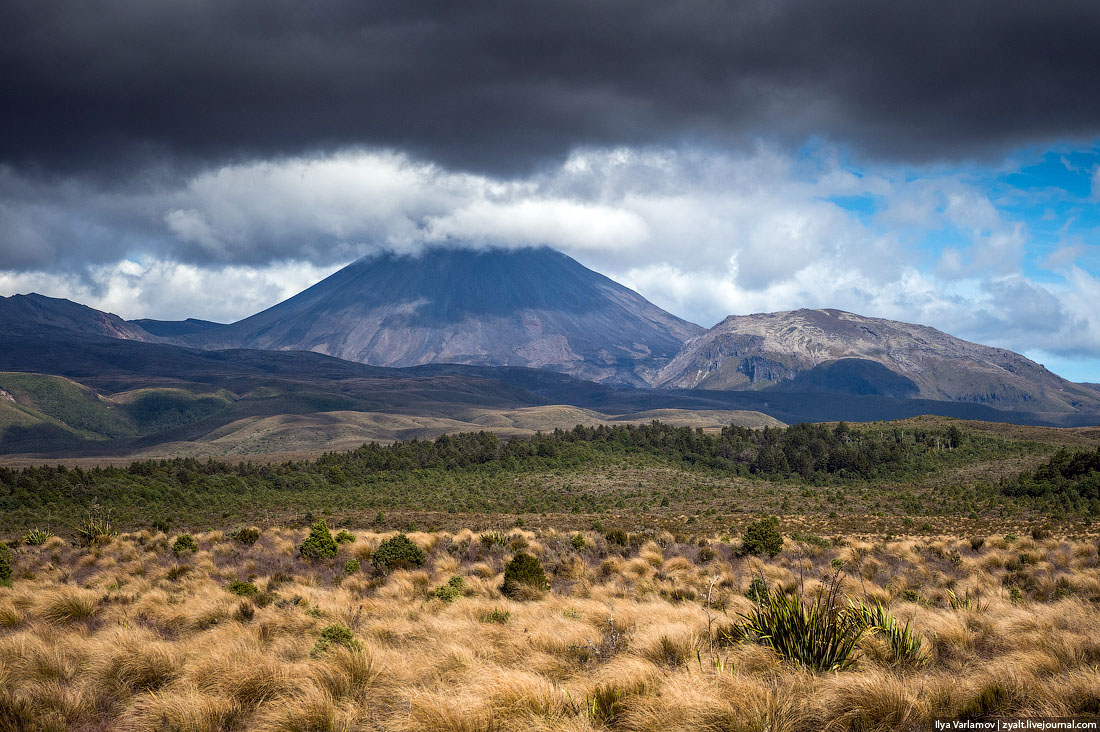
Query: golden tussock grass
x=127, y=636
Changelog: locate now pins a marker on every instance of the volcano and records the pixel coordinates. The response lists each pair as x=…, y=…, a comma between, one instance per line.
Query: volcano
x=530, y=307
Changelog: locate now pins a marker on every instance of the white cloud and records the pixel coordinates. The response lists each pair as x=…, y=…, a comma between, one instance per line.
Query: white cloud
x=703, y=235
x=171, y=290
x=555, y=222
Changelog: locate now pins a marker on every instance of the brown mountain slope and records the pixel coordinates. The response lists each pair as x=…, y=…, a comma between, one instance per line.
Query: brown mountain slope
x=785, y=349
x=35, y=309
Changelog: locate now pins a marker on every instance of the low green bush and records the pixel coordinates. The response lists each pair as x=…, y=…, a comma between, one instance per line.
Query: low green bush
x=319, y=544
x=522, y=575
x=398, y=552
x=184, y=544
x=578, y=542
x=337, y=634
x=351, y=566
x=757, y=590
x=344, y=537
x=242, y=588
x=496, y=615
x=762, y=537
x=452, y=590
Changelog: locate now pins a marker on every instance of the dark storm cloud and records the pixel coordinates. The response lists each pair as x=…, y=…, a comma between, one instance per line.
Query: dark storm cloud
x=110, y=85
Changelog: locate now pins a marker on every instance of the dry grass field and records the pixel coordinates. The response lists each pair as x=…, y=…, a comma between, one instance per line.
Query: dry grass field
x=634, y=632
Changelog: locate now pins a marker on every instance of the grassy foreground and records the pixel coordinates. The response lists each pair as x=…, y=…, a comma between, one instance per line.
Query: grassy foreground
x=144, y=632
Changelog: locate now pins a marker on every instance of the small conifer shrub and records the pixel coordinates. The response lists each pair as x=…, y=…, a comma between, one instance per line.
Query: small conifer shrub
x=762, y=537
x=351, y=566
x=319, y=544
x=184, y=544
x=242, y=588
x=523, y=575
x=398, y=552
x=758, y=590
x=452, y=590
x=337, y=634
x=344, y=537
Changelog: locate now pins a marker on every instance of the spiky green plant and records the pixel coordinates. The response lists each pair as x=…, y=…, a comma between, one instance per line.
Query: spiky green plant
x=247, y=535
x=490, y=538
x=819, y=633
x=37, y=537
x=96, y=529
x=966, y=602
x=905, y=644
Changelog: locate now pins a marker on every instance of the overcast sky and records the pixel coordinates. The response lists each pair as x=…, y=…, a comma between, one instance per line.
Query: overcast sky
x=934, y=162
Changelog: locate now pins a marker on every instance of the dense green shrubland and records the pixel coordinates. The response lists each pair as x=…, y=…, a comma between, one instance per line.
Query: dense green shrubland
x=1067, y=483
x=482, y=473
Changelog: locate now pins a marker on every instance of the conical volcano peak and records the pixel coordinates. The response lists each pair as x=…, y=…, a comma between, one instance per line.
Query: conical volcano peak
x=450, y=284
x=532, y=307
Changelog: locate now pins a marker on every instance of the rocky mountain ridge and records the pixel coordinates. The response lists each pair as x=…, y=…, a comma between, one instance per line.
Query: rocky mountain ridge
x=775, y=350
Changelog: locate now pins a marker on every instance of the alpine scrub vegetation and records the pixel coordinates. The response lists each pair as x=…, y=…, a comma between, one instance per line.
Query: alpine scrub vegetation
x=398, y=552
x=5, y=565
x=247, y=535
x=184, y=544
x=95, y=530
x=640, y=637
x=524, y=575
x=762, y=537
x=319, y=544
x=814, y=467
x=819, y=634
x=37, y=537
